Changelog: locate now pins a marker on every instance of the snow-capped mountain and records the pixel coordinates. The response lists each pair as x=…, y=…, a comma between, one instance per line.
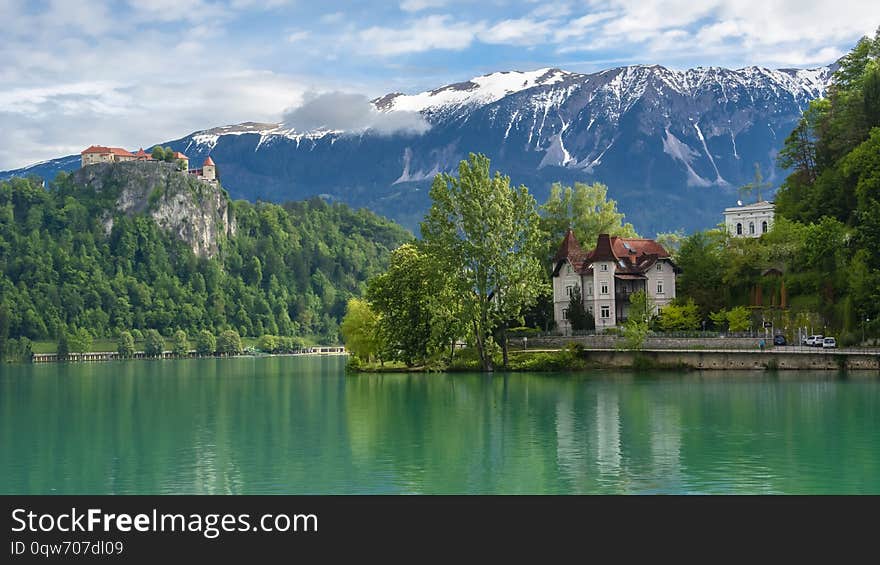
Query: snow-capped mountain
x=671, y=145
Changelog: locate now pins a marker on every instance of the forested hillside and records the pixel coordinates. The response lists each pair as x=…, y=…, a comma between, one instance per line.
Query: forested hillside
x=821, y=261
x=70, y=258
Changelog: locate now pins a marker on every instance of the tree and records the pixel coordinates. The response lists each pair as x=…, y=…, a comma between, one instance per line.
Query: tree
x=719, y=319
x=739, y=319
x=63, y=350
x=158, y=153
x=577, y=315
x=360, y=330
x=229, y=343
x=206, y=344
x=180, y=344
x=702, y=261
x=410, y=321
x=80, y=341
x=680, y=317
x=268, y=343
x=486, y=235
x=154, y=343
x=586, y=209
x=125, y=344
x=638, y=321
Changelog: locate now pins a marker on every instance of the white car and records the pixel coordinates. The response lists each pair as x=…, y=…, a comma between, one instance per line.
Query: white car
x=829, y=343
x=814, y=341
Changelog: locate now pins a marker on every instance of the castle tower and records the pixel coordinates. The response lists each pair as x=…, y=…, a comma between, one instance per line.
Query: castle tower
x=209, y=169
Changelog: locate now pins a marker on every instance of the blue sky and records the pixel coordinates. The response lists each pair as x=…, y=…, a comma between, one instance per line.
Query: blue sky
x=135, y=73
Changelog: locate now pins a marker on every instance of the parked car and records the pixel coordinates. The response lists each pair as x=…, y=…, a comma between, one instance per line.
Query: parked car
x=814, y=341
x=829, y=343
x=779, y=340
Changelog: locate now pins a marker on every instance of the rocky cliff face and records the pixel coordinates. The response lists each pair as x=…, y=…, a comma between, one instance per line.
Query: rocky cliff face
x=195, y=211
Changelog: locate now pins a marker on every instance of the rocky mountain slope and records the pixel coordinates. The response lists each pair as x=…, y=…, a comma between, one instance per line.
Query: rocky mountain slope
x=672, y=145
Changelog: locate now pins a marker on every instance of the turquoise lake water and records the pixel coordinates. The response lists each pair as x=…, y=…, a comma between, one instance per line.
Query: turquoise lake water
x=300, y=425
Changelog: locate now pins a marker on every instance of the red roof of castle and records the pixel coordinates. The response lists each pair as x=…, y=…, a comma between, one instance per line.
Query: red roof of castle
x=209, y=162
x=101, y=150
x=179, y=155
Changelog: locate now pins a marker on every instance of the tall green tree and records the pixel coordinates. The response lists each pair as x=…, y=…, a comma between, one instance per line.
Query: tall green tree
x=125, y=344
x=587, y=210
x=486, y=235
x=154, y=343
x=360, y=329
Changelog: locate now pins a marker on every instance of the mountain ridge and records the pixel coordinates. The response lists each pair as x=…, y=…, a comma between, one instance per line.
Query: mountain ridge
x=679, y=139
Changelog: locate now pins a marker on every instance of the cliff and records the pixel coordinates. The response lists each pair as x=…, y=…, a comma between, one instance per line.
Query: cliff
x=197, y=212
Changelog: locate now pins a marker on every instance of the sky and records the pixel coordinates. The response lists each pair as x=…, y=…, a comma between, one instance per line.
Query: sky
x=135, y=73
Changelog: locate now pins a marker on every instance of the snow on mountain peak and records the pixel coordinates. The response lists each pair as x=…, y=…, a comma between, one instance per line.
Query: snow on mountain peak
x=479, y=90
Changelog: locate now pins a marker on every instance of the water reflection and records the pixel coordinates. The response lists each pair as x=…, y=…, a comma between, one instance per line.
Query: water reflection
x=285, y=425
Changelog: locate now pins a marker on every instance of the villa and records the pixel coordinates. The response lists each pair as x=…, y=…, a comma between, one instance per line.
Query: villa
x=608, y=275
x=751, y=220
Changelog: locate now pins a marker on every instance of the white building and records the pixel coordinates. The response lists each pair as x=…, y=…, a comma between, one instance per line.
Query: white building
x=608, y=275
x=751, y=220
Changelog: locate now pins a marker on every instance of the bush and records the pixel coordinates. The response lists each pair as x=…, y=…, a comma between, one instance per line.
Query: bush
x=125, y=344
x=154, y=343
x=229, y=343
x=206, y=344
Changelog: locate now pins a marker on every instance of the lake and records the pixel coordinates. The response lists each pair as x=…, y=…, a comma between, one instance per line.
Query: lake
x=295, y=425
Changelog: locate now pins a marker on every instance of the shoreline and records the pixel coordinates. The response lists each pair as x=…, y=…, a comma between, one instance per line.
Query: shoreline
x=575, y=360
x=100, y=356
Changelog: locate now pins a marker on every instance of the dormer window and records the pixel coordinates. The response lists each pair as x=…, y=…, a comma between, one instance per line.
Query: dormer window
x=604, y=267
x=659, y=267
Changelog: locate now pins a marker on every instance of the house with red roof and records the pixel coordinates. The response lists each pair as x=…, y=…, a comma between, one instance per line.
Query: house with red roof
x=101, y=154
x=607, y=275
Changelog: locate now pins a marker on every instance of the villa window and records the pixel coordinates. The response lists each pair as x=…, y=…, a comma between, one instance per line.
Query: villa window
x=659, y=287
x=603, y=288
x=568, y=269
x=568, y=290
x=739, y=229
x=659, y=267
x=604, y=267
x=764, y=226
x=589, y=290
x=606, y=312
x=752, y=228
x=565, y=313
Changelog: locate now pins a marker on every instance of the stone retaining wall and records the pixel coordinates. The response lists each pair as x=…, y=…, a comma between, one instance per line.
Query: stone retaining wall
x=613, y=342
x=724, y=360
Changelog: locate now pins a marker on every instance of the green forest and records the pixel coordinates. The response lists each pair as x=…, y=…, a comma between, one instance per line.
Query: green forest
x=289, y=270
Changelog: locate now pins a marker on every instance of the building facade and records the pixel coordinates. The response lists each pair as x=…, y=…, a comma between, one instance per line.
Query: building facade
x=607, y=275
x=751, y=220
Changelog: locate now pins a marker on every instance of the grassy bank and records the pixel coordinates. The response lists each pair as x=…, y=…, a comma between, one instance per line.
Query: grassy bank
x=573, y=358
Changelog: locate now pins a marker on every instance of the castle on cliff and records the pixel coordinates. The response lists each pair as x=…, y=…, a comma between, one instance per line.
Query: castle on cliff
x=101, y=154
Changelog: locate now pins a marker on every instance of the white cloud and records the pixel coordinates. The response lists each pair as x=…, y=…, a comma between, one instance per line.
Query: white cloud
x=297, y=36
x=350, y=113
x=424, y=34
x=419, y=5
x=522, y=31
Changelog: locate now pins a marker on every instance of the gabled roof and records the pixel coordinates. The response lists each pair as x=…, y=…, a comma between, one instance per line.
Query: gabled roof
x=101, y=150
x=179, y=155
x=631, y=256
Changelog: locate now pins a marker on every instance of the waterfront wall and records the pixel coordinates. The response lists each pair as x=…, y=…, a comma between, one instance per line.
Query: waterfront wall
x=112, y=355
x=613, y=342
x=725, y=360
